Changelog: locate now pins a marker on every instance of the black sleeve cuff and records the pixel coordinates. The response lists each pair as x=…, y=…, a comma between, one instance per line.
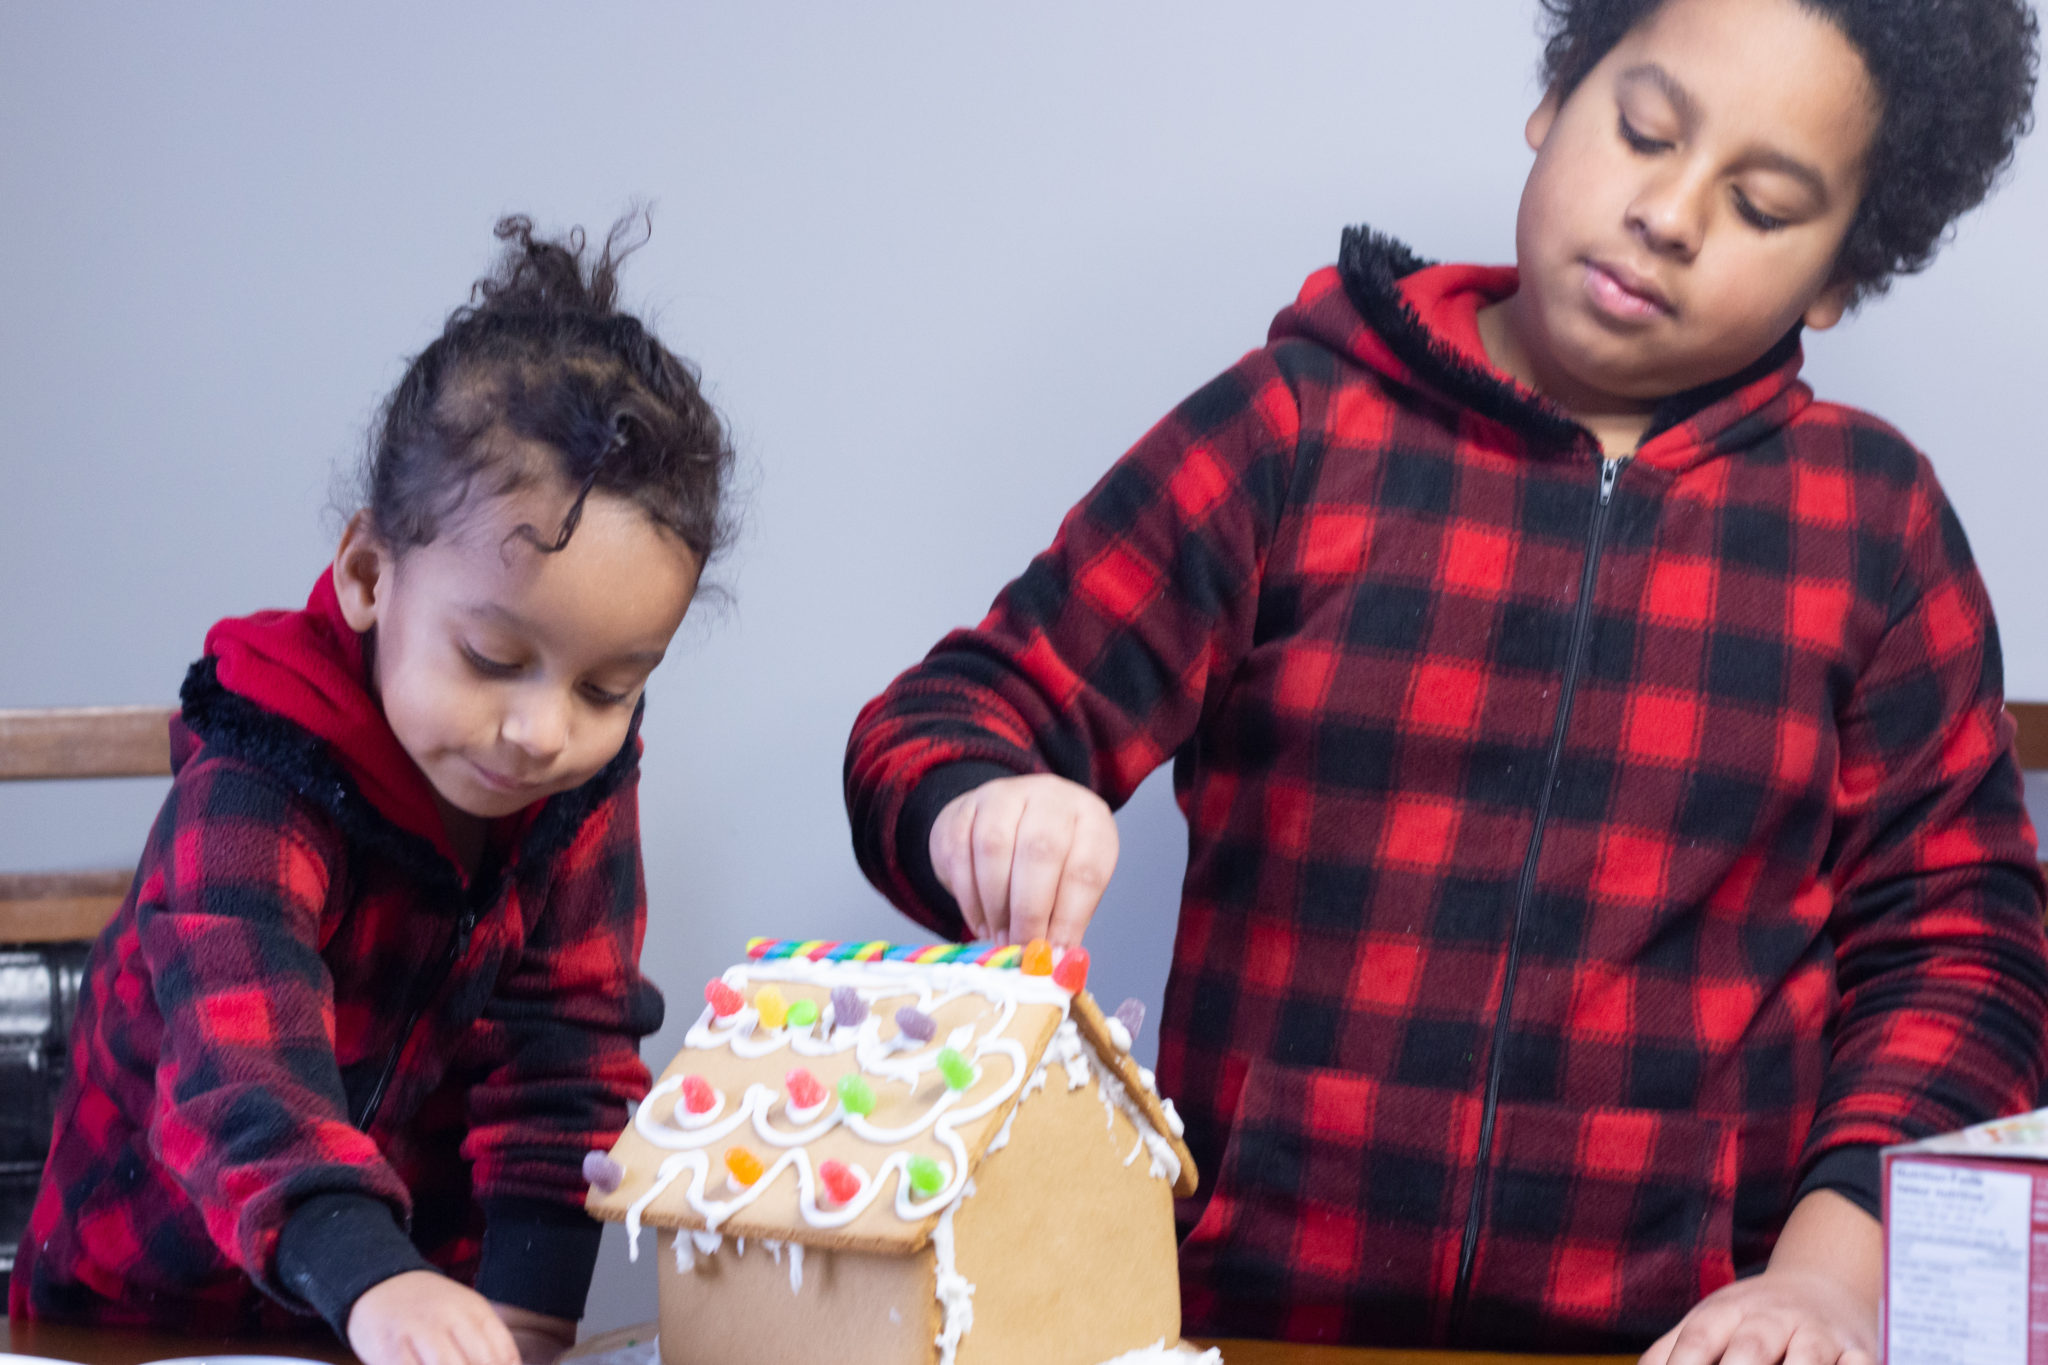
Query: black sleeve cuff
x=914, y=833
x=335, y=1246
x=538, y=1256
x=1852, y=1172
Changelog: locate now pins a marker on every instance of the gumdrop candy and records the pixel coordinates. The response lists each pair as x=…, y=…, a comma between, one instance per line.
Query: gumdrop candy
x=927, y=1177
x=803, y=1013
x=848, y=1009
x=770, y=1005
x=804, y=1090
x=856, y=1095
x=1037, y=959
x=1072, y=972
x=914, y=1024
x=723, y=999
x=1131, y=1014
x=698, y=1096
x=841, y=1184
x=746, y=1168
x=602, y=1172
x=958, y=1071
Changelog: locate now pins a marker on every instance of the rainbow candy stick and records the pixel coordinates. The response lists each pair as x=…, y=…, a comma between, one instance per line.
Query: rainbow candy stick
x=875, y=950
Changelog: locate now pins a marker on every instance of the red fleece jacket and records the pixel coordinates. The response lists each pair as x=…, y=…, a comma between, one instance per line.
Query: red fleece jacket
x=311, y=1052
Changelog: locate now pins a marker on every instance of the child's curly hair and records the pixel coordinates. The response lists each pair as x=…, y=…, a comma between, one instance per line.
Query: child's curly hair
x=541, y=374
x=1957, y=80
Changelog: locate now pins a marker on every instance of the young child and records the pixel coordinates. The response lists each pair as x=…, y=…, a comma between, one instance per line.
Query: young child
x=375, y=991
x=1603, y=830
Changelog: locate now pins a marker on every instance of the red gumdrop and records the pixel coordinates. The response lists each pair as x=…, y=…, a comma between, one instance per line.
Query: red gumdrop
x=722, y=998
x=841, y=1184
x=805, y=1092
x=698, y=1096
x=1071, y=972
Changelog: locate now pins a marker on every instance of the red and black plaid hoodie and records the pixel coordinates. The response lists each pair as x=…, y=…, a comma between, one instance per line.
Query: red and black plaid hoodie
x=1586, y=857
x=311, y=1052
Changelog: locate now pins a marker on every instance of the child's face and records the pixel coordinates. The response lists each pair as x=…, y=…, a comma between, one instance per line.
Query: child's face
x=1689, y=200
x=508, y=674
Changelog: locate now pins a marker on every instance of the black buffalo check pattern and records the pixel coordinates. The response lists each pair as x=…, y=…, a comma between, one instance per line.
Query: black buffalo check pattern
x=1578, y=853
x=300, y=999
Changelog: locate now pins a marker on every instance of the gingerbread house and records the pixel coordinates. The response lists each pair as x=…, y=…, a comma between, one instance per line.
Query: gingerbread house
x=896, y=1156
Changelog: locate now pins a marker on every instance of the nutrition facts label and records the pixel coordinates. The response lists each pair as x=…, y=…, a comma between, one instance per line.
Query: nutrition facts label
x=1957, y=1281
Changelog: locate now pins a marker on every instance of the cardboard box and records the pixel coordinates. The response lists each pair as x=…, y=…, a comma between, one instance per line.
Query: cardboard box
x=1966, y=1246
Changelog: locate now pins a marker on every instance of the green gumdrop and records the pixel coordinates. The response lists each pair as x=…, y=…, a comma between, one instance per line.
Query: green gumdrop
x=927, y=1177
x=856, y=1095
x=803, y=1014
x=958, y=1071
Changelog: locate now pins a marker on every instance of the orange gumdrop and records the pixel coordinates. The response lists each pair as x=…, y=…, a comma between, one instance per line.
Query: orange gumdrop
x=1037, y=958
x=745, y=1166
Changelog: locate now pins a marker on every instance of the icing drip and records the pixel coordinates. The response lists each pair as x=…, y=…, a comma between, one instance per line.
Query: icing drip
x=956, y=1295
x=796, y=1267
x=1119, y=1034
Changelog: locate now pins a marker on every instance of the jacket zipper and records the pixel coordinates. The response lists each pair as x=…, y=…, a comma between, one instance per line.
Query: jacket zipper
x=459, y=945
x=1525, y=890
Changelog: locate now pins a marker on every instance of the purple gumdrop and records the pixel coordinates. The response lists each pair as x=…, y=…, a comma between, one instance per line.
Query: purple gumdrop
x=914, y=1024
x=1131, y=1014
x=602, y=1172
x=848, y=1009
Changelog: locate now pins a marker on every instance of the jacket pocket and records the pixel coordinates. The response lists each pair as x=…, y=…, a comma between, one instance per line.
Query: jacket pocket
x=1333, y=1214
x=1603, y=1226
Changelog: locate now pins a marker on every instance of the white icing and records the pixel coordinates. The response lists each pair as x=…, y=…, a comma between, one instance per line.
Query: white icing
x=804, y=1114
x=1118, y=1034
x=1147, y=1079
x=796, y=1267
x=1159, y=1353
x=956, y=1295
x=1173, y=1118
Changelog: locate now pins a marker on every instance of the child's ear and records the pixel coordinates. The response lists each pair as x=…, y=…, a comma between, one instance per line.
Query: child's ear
x=1830, y=308
x=1538, y=127
x=362, y=573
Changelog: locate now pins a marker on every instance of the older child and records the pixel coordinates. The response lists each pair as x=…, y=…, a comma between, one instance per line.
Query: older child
x=375, y=991
x=1603, y=831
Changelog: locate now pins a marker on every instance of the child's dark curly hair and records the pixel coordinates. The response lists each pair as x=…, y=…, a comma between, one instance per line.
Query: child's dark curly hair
x=1957, y=81
x=541, y=375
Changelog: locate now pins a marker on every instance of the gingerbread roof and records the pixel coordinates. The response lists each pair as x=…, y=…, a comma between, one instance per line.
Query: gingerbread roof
x=859, y=1086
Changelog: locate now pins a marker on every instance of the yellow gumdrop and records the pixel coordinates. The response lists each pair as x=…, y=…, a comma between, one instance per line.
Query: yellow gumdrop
x=773, y=1009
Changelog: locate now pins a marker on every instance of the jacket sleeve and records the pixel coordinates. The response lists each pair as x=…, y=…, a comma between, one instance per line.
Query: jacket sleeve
x=1098, y=662
x=559, y=1041
x=250, y=1116
x=1940, y=959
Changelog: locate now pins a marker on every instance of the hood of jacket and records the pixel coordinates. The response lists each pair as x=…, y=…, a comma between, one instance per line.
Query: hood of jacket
x=1414, y=323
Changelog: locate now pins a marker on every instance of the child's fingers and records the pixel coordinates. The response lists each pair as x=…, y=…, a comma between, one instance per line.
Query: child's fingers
x=953, y=861
x=1090, y=864
x=1660, y=1349
x=994, y=843
x=1703, y=1336
x=1045, y=834
x=1759, y=1341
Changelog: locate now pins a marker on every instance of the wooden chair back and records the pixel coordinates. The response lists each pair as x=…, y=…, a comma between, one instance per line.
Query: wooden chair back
x=75, y=742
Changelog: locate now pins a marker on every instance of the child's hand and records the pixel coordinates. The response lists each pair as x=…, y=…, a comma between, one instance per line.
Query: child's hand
x=1815, y=1305
x=421, y=1318
x=1026, y=857
x=541, y=1339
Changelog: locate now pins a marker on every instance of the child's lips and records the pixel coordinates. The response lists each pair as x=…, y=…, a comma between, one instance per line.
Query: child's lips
x=498, y=781
x=1624, y=295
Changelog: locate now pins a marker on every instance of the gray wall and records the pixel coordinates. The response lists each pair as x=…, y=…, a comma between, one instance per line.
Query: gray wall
x=940, y=265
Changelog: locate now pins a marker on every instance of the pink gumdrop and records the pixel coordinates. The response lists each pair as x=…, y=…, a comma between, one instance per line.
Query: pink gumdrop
x=841, y=1184
x=723, y=999
x=1131, y=1014
x=804, y=1090
x=602, y=1172
x=698, y=1096
x=1071, y=972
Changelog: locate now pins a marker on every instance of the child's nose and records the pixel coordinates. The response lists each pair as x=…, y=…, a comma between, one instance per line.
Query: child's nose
x=1670, y=214
x=537, y=724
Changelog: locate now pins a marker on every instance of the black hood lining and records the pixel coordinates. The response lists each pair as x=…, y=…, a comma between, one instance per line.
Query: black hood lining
x=234, y=726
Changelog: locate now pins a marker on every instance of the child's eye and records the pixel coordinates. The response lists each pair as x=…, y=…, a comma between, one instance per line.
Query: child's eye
x=603, y=698
x=1637, y=141
x=1754, y=216
x=489, y=668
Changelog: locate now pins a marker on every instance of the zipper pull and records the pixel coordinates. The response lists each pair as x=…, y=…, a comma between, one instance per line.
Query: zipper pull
x=1610, y=470
x=464, y=927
